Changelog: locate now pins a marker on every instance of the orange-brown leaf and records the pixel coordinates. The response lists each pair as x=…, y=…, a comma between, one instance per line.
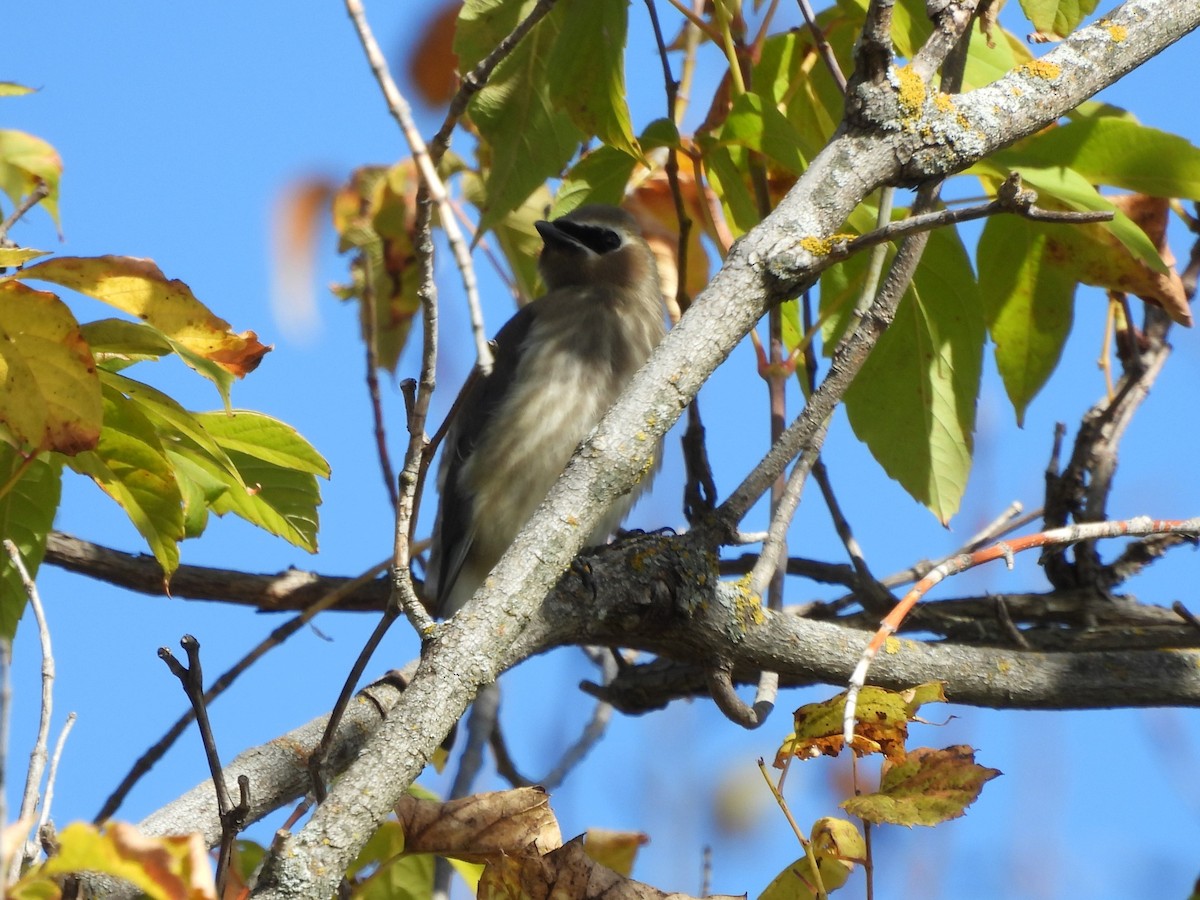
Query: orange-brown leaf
x=927, y=788
x=433, y=64
x=1151, y=215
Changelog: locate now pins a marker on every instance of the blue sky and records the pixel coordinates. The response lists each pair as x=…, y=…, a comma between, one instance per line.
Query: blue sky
x=180, y=126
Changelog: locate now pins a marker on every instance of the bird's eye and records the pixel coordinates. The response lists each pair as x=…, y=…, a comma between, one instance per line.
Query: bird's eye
x=596, y=238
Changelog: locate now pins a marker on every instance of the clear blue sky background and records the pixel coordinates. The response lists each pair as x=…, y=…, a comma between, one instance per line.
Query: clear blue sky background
x=180, y=126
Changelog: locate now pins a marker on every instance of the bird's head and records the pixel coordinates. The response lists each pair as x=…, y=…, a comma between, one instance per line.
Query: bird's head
x=595, y=245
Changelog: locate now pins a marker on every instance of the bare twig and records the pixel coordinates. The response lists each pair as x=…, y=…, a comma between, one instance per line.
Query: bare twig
x=372, y=354
x=152, y=755
x=473, y=81
x=419, y=454
x=52, y=775
x=39, y=754
x=316, y=760
x=28, y=202
x=720, y=687
x=402, y=113
x=233, y=817
x=1186, y=614
x=592, y=732
x=823, y=47
x=672, y=167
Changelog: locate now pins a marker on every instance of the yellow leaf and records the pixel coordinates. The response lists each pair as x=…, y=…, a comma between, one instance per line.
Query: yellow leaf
x=49, y=392
x=138, y=287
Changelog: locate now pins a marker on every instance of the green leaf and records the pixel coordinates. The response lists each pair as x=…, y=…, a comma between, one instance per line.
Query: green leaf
x=279, y=500
x=603, y=175
x=393, y=876
x=117, y=343
x=25, y=162
x=1028, y=302
x=760, y=126
x=516, y=234
x=374, y=213
x=1073, y=191
x=913, y=403
x=275, y=485
x=586, y=69
x=169, y=416
x=130, y=465
x=31, y=490
x=725, y=174
x=1057, y=18
x=199, y=490
x=600, y=177
x=525, y=137
x=1120, y=152
x=791, y=75
x=263, y=437
x=482, y=24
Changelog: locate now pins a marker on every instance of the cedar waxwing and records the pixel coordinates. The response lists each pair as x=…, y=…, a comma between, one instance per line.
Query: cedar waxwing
x=560, y=363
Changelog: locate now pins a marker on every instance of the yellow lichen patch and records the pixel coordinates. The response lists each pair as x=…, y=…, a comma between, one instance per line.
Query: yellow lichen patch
x=747, y=605
x=943, y=102
x=1117, y=32
x=824, y=246
x=1039, y=68
x=892, y=645
x=912, y=90
x=816, y=246
x=1004, y=666
x=647, y=469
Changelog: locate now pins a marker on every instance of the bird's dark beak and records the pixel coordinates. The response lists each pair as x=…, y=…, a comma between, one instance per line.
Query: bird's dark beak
x=553, y=236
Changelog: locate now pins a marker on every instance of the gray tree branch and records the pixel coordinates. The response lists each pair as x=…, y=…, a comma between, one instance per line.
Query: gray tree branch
x=890, y=143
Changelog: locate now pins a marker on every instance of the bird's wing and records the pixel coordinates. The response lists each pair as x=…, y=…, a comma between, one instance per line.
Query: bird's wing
x=454, y=530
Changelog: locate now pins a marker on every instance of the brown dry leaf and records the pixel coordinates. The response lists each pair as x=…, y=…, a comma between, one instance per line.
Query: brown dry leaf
x=138, y=287
x=653, y=205
x=49, y=390
x=482, y=826
x=433, y=65
x=1151, y=215
x=568, y=873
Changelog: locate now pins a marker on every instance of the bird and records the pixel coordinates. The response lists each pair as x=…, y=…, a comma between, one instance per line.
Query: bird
x=559, y=363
